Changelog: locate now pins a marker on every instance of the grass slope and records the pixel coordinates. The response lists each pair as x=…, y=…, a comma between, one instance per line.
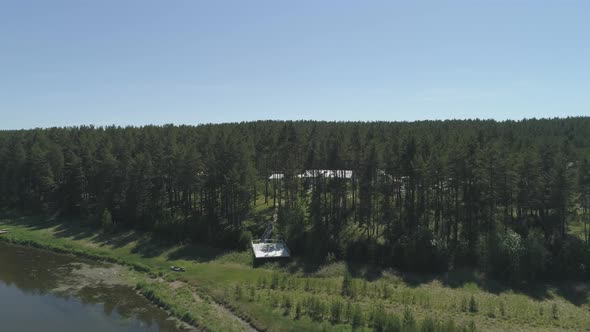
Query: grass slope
x=268, y=296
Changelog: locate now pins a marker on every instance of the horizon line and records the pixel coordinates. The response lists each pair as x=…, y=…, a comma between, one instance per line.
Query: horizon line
x=99, y=126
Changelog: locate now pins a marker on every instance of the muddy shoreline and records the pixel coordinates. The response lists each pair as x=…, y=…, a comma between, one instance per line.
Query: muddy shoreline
x=91, y=284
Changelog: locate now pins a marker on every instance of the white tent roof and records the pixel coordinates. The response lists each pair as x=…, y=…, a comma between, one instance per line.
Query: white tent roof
x=327, y=173
x=270, y=249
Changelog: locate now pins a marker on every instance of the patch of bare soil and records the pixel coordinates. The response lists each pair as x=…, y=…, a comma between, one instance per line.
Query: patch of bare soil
x=176, y=284
x=82, y=275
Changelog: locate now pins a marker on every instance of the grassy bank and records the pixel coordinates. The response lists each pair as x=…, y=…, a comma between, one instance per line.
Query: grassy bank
x=290, y=298
x=160, y=288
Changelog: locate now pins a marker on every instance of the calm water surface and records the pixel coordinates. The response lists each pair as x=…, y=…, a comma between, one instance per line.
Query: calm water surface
x=33, y=297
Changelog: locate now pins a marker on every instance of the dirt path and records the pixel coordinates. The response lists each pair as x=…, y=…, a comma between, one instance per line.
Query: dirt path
x=223, y=311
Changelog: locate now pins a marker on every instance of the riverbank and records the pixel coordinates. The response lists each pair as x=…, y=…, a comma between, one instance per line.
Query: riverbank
x=38, y=288
x=286, y=299
x=162, y=289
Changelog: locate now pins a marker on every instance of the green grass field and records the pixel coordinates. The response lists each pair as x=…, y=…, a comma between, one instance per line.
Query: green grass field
x=286, y=297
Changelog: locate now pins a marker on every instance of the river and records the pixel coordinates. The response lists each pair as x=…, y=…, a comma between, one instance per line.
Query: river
x=44, y=291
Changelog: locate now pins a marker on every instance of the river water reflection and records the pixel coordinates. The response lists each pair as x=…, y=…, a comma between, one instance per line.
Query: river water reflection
x=44, y=291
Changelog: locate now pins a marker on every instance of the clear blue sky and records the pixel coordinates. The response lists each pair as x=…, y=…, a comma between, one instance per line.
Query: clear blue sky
x=189, y=62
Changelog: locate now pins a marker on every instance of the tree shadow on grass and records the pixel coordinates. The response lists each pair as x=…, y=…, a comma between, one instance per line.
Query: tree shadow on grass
x=68, y=229
x=295, y=265
x=367, y=272
x=63, y=227
x=31, y=222
x=117, y=239
x=75, y=229
x=196, y=252
x=286, y=265
x=148, y=246
x=576, y=293
x=78, y=230
x=310, y=266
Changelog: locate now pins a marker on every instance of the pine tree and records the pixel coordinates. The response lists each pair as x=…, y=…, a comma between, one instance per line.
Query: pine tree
x=107, y=221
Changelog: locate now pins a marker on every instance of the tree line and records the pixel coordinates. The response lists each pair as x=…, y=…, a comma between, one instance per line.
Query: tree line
x=428, y=195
